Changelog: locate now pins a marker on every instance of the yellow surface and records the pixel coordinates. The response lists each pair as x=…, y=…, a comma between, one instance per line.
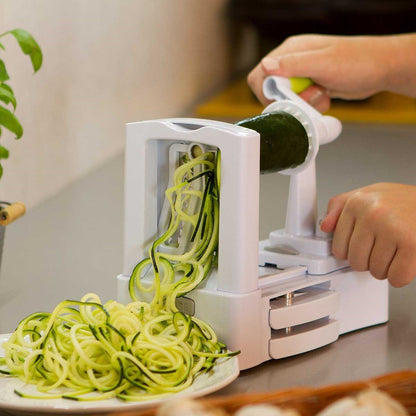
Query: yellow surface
x=236, y=102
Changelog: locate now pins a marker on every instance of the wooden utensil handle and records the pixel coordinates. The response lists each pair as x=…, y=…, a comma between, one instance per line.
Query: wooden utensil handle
x=11, y=213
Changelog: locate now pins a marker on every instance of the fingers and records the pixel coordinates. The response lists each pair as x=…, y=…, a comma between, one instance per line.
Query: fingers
x=365, y=252
x=402, y=269
x=334, y=209
x=381, y=257
x=270, y=64
x=255, y=80
x=342, y=236
x=370, y=235
x=360, y=248
x=354, y=242
x=317, y=97
x=299, y=64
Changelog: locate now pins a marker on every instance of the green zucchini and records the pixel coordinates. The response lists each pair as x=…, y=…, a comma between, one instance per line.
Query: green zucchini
x=284, y=142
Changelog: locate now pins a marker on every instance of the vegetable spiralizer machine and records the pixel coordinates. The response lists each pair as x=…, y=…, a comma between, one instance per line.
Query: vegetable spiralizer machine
x=270, y=299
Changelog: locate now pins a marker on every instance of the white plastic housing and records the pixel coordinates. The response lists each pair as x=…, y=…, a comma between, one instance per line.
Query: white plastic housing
x=146, y=175
x=245, y=304
x=301, y=213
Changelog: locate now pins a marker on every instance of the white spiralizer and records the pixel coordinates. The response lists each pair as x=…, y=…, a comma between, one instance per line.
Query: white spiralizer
x=270, y=299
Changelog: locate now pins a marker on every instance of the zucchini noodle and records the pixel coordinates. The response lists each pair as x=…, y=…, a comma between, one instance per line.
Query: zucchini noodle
x=86, y=350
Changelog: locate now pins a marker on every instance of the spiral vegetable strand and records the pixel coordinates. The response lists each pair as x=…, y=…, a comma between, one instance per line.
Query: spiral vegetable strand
x=86, y=350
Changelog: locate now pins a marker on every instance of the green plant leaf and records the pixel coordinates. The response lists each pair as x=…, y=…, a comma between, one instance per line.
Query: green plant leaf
x=7, y=95
x=4, y=76
x=4, y=153
x=28, y=45
x=2, y=47
x=1, y=170
x=10, y=121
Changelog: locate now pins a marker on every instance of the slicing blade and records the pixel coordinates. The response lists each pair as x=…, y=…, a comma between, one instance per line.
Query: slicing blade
x=178, y=243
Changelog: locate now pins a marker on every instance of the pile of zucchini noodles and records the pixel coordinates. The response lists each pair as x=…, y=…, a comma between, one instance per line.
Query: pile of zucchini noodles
x=85, y=350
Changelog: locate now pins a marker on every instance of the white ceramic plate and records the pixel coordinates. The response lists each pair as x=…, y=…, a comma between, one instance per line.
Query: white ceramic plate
x=223, y=373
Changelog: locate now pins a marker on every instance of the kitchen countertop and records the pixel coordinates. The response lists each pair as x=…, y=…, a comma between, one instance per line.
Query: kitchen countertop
x=72, y=244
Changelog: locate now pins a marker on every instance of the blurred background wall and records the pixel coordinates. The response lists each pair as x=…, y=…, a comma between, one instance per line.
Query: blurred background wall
x=106, y=63
x=109, y=62
x=275, y=20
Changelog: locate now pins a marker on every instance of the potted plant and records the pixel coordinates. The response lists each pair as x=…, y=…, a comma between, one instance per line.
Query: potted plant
x=9, y=212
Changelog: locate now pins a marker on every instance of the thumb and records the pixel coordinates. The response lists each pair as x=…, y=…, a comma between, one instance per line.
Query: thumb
x=298, y=64
x=334, y=210
x=329, y=223
x=315, y=95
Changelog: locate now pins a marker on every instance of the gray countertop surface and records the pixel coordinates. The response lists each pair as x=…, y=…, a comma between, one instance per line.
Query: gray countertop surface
x=72, y=244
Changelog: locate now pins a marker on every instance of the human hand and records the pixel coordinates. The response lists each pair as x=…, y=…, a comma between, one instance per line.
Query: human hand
x=349, y=67
x=375, y=229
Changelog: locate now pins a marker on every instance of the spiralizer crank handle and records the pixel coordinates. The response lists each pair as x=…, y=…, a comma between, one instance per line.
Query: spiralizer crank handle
x=296, y=84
